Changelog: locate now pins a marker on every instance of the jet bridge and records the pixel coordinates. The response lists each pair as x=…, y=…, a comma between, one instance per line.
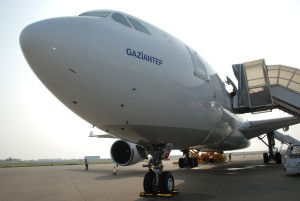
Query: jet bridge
x=262, y=88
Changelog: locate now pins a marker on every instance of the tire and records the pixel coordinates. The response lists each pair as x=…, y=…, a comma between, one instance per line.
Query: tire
x=166, y=182
x=149, y=183
x=191, y=162
x=196, y=162
x=278, y=158
x=266, y=158
x=181, y=163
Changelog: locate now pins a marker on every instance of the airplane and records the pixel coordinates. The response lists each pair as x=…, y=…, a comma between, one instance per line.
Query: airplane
x=139, y=84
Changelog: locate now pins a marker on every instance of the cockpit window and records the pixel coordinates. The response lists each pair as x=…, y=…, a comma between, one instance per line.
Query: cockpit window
x=121, y=19
x=138, y=26
x=95, y=14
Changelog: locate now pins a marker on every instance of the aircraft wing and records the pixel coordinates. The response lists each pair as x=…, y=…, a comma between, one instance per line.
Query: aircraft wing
x=252, y=129
x=101, y=136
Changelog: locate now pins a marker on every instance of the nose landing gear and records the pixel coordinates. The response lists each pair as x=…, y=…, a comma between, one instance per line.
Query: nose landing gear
x=156, y=181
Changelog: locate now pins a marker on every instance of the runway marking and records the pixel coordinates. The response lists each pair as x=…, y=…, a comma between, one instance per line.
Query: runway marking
x=244, y=168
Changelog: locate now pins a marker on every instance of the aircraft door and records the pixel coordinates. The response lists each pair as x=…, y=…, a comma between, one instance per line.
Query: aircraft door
x=199, y=66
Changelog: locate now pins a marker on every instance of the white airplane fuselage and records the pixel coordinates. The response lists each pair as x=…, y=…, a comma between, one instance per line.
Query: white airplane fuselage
x=139, y=87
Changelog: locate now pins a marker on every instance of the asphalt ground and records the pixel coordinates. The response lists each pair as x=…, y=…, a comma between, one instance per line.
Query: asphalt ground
x=242, y=179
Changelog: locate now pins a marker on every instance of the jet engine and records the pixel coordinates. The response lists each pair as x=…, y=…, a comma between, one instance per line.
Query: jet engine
x=125, y=153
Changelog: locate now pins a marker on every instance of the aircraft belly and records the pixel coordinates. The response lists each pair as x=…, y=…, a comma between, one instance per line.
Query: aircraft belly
x=180, y=137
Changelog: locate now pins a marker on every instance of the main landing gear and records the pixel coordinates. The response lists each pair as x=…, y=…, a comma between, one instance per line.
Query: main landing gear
x=156, y=181
x=187, y=161
x=271, y=145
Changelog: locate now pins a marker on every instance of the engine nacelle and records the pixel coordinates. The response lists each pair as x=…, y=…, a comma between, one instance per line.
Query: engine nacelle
x=125, y=153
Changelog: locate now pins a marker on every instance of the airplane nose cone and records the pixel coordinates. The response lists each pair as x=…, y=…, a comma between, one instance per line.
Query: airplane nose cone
x=55, y=49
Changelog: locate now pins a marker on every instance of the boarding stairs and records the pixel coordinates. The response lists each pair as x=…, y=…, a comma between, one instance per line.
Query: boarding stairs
x=262, y=88
x=285, y=139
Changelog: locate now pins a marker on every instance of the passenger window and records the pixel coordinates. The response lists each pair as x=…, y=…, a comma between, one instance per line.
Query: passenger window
x=138, y=26
x=199, y=67
x=121, y=19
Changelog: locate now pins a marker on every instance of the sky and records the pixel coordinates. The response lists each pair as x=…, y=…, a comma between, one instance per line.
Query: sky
x=35, y=125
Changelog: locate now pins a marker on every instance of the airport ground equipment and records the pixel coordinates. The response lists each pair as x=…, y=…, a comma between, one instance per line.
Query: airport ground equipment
x=192, y=157
x=212, y=157
x=285, y=139
x=292, y=159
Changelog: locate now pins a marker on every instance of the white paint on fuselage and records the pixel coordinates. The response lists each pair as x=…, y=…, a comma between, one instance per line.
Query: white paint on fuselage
x=84, y=62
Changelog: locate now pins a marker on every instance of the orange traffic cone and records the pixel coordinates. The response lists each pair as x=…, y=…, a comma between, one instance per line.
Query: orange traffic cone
x=114, y=171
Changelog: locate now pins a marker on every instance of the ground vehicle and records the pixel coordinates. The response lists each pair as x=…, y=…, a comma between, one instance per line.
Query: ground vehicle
x=292, y=164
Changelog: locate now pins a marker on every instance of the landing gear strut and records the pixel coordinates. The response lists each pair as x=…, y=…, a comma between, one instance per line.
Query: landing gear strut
x=271, y=145
x=157, y=181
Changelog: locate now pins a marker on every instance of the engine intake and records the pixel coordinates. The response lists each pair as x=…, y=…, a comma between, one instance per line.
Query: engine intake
x=125, y=153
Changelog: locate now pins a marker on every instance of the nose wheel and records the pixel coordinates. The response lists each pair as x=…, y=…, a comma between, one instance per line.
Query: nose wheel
x=150, y=183
x=166, y=182
x=156, y=181
x=164, y=186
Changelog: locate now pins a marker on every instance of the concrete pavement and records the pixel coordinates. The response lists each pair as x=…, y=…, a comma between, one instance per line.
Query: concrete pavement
x=243, y=179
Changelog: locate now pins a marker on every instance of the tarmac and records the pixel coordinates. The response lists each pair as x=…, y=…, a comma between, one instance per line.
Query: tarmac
x=242, y=179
